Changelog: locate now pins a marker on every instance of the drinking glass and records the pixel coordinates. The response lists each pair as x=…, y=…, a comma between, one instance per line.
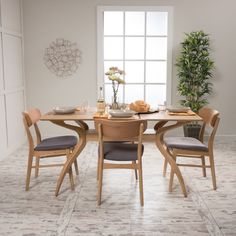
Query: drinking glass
x=84, y=105
x=162, y=107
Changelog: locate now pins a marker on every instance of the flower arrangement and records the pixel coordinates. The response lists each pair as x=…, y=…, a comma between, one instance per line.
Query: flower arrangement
x=114, y=74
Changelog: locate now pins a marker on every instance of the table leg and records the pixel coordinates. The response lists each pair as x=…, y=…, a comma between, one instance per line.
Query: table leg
x=74, y=154
x=82, y=124
x=160, y=131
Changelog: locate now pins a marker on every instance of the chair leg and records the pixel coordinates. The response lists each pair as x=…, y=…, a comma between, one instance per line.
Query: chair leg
x=171, y=180
x=30, y=160
x=141, y=183
x=100, y=177
x=76, y=167
x=203, y=168
x=164, y=168
x=213, y=175
x=37, y=167
x=135, y=171
x=171, y=177
x=72, y=184
x=98, y=169
x=70, y=172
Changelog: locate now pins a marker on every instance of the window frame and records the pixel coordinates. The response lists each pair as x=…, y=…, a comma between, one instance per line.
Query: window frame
x=100, y=37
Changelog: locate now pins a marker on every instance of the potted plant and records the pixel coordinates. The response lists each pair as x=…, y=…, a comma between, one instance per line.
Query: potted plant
x=194, y=67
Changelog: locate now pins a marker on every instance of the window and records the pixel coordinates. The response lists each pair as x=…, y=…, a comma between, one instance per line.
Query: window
x=137, y=40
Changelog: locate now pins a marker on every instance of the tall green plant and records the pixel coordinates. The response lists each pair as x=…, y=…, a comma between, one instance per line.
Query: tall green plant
x=195, y=67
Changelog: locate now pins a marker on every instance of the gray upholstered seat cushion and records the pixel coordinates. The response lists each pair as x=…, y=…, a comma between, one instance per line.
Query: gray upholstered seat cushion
x=55, y=143
x=117, y=151
x=186, y=143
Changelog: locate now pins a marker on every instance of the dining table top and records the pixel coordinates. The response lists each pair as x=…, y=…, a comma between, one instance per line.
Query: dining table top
x=91, y=114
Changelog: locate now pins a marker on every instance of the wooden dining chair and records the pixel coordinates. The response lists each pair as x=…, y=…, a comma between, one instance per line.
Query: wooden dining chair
x=45, y=148
x=120, y=141
x=189, y=147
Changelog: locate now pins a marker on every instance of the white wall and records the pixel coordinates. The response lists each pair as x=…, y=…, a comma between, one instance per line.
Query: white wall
x=12, y=97
x=45, y=20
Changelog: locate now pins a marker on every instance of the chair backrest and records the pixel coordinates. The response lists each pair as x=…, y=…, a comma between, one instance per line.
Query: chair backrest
x=120, y=130
x=31, y=117
x=210, y=117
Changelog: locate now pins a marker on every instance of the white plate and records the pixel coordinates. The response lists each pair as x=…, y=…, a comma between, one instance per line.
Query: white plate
x=177, y=109
x=64, y=110
x=122, y=113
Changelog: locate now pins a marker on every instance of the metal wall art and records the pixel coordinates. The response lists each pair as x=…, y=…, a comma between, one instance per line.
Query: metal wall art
x=62, y=58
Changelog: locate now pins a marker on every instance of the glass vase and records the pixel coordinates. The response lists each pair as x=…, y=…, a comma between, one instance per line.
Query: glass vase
x=115, y=103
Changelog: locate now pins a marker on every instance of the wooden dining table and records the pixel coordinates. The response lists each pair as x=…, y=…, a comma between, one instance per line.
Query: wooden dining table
x=164, y=122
